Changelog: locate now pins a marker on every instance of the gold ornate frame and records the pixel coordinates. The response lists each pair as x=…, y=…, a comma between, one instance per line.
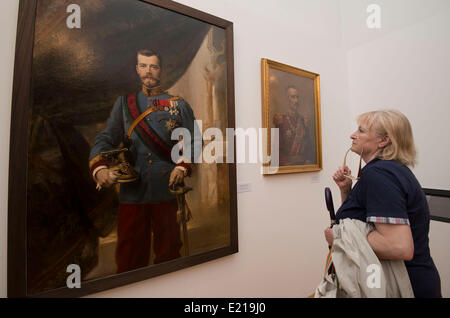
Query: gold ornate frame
x=268, y=168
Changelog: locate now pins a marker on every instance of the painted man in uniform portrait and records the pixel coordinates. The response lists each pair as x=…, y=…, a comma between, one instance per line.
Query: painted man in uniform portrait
x=295, y=146
x=146, y=205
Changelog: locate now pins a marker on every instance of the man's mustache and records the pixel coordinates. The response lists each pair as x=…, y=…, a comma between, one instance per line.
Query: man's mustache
x=149, y=76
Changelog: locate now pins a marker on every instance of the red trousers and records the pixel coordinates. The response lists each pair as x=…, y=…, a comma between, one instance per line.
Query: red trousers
x=135, y=224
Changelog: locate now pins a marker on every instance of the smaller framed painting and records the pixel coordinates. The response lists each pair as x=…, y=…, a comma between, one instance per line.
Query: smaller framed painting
x=291, y=115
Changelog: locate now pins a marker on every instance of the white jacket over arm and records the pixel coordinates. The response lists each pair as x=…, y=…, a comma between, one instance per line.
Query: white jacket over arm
x=359, y=272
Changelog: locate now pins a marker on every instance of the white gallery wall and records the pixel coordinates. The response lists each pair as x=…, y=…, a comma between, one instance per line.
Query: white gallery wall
x=281, y=221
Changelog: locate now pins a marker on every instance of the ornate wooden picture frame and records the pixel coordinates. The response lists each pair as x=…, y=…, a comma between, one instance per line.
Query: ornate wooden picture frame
x=291, y=104
x=75, y=60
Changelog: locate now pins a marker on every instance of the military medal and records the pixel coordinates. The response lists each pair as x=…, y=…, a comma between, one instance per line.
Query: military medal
x=171, y=124
x=173, y=111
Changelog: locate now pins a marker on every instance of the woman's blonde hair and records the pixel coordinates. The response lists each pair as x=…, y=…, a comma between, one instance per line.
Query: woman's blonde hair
x=397, y=127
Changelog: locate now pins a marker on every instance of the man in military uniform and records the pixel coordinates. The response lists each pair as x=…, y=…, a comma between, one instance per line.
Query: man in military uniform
x=295, y=140
x=146, y=205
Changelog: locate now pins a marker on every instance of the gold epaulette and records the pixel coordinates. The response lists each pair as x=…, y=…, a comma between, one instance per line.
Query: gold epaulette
x=175, y=98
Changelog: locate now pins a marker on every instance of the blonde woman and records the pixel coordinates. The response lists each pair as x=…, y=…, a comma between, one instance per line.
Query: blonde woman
x=389, y=195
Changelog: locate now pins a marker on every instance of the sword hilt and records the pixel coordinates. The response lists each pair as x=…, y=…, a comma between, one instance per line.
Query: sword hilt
x=179, y=189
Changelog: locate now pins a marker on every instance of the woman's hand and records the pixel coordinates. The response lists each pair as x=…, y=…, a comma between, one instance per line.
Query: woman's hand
x=344, y=183
x=329, y=237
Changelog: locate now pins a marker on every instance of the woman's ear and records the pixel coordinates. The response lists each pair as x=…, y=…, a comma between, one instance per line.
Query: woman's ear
x=385, y=141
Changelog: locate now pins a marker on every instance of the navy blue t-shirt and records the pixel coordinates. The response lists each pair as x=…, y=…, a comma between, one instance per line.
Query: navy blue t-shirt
x=388, y=192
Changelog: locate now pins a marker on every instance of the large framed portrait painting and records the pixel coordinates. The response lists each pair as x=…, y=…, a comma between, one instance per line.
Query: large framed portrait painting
x=291, y=115
x=107, y=183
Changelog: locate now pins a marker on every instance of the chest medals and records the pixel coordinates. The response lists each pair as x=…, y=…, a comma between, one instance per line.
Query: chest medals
x=169, y=106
